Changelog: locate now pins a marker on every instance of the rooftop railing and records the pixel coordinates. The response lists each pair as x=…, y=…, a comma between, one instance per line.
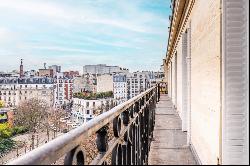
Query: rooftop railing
x=131, y=123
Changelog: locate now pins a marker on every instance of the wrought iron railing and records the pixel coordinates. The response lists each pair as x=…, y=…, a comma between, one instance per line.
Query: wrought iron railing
x=132, y=129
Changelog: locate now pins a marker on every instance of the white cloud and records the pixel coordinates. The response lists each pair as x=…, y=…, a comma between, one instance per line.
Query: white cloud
x=63, y=49
x=35, y=8
x=125, y=26
x=112, y=43
x=133, y=20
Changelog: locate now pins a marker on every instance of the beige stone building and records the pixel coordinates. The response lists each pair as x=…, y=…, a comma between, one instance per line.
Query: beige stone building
x=104, y=83
x=206, y=67
x=13, y=91
x=46, y=72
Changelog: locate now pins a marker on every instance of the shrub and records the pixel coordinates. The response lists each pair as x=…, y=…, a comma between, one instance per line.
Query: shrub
x=1, y=103
x=19, y=130
x=6, y=145
x=93, y=95
x=5, y=130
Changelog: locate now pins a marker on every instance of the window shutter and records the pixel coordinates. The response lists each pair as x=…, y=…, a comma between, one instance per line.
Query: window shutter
x=184, y=82
x=235, y=136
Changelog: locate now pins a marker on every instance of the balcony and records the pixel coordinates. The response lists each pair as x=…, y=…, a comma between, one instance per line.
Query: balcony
x=138, y=131
x=123, y=136
x=169, y=146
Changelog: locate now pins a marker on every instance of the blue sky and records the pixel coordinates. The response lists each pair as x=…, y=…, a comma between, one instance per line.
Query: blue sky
x=73, y=33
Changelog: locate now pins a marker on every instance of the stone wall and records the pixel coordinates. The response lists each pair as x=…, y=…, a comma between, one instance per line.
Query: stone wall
x=205, y=79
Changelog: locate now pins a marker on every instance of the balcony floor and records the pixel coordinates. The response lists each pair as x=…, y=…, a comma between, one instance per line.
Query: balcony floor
x=169, y=146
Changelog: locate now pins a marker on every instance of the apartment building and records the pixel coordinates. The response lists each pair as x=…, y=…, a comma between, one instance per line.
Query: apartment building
x=84, y=110
x=71, y=74
x=102, y=69
x=120, y=87
x=31, y=73
x=14, y=73
x=46, y=73
x=207, y=72
x=104, y=83
x=85, y=83
x=15, y=90
x=137, y=82
x=55, y=69
x=63, y=90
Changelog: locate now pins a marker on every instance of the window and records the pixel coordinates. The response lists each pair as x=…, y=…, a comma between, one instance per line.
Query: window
x=87, y=104
x=87, y=112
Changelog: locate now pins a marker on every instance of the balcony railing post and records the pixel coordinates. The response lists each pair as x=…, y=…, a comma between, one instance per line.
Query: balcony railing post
x=133, y=128
x=159, y=92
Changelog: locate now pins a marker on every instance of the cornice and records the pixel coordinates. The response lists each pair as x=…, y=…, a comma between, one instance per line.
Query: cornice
x=181, y=12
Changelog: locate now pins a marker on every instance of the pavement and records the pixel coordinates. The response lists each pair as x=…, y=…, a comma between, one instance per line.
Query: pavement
x=169, y=146
x=14, y=153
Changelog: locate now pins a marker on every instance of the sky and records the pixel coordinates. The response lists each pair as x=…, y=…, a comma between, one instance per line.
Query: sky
x=132, y=34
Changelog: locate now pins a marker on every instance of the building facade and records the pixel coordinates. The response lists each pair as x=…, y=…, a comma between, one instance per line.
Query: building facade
x=63, y=90
x=102, y=69
x=85, y=83
x=137, y=83
x=71, y=74
x=15, y=90
x=104, y=83
x=120, y=88
x=207, y=73
x=46, y=73
x=85, y=110
x=30, y=73
x=56, y=69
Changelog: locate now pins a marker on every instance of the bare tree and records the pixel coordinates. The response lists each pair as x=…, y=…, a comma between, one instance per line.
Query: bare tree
x=54, y=116
x=31, y=114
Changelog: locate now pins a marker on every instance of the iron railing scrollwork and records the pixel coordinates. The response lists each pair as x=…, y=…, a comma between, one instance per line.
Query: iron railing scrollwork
x=132, y=126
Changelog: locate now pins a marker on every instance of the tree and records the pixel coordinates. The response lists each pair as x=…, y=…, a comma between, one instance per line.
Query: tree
x=5, y=131
x=55, y=114
x=1, y=104
x=31, y=114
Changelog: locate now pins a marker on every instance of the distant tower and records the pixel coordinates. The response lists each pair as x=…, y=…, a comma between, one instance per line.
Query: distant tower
x=44, y=64
x=21, y=68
